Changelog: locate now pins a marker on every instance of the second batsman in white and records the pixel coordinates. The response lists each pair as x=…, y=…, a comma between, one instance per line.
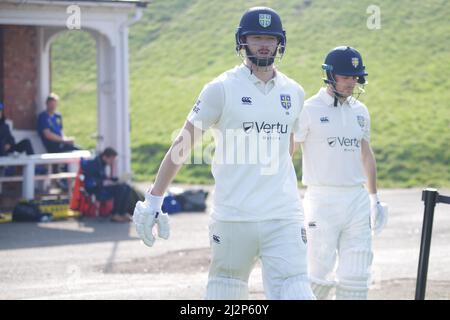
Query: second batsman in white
x=252, y=110
x=340, y=213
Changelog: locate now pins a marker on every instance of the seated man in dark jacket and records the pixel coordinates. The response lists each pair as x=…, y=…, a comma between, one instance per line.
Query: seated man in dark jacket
x=7, y=142
x=96, y=181
x=50, y=128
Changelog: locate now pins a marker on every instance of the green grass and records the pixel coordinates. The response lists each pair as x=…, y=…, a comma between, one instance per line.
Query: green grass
x=180, y=45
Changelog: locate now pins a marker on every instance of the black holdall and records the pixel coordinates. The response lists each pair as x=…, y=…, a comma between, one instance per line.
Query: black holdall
x=29, y=212
x=192, y=200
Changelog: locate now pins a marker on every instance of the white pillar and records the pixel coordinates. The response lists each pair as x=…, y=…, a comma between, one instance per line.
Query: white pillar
x=112, y=97
x=105, y=93
x=46, y=35
x=125, y=105
x=44, y=70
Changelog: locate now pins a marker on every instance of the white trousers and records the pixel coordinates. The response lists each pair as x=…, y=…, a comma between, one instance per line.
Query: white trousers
x=338, y=229
x=236, y=246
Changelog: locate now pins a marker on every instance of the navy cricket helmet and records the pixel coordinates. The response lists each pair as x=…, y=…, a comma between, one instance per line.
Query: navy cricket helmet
x=261, y=21
x=344, y=61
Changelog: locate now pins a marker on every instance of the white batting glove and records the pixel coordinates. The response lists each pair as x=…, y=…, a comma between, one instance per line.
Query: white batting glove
x=148, y=213
x=163, y=225
x=378, y=214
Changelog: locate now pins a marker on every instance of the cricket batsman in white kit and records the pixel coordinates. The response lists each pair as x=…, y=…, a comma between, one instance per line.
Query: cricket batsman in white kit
x=257, y=211
x=341, y=215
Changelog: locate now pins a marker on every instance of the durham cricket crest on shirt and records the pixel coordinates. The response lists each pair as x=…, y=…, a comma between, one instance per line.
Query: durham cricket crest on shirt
x=265, y=20
x=361, y=121
x=285, y=100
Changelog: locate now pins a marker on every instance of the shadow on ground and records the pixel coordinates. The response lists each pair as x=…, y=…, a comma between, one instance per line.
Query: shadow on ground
x=58, y=233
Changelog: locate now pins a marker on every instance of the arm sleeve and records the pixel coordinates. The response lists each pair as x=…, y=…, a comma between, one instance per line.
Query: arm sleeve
x=366, y=129
x=42, y=123
x=208, y=108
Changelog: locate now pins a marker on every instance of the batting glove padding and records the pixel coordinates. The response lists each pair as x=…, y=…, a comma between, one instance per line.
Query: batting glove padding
x=163, y=225
x=148, y=213
x=378, y=214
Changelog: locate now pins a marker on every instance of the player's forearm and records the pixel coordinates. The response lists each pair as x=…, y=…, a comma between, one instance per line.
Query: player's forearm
x=166, y=173
x=370, y=168
x=372, y=179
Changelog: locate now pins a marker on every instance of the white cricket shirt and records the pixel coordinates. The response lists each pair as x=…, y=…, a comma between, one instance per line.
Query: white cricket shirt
x=251, y=122
x=331, y=138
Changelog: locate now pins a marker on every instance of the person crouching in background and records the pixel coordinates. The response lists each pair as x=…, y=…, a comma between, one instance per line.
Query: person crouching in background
x=104, y=187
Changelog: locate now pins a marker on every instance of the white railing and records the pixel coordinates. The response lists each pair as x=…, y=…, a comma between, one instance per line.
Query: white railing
x=29, y=164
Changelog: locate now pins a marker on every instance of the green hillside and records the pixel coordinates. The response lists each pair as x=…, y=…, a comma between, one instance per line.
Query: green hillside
x=180, y=45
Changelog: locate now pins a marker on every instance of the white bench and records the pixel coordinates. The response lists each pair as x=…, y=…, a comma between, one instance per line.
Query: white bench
x=29, y=164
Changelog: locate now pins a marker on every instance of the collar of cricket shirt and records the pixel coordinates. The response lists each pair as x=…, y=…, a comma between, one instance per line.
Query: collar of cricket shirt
x=329, y=100
x=254, y=79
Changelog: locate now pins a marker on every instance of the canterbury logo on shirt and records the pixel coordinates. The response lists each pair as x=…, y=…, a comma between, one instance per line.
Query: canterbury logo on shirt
x=246, y=100
x=324, y=120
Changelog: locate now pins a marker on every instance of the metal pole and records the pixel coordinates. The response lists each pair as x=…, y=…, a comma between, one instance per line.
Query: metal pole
x=429, y=196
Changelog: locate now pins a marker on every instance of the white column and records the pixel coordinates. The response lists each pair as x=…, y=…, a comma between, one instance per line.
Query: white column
x=112, y=97
x=119, y=120
x=46, y=35
x=105, y=93
x=44, y=70
x=125, y=105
